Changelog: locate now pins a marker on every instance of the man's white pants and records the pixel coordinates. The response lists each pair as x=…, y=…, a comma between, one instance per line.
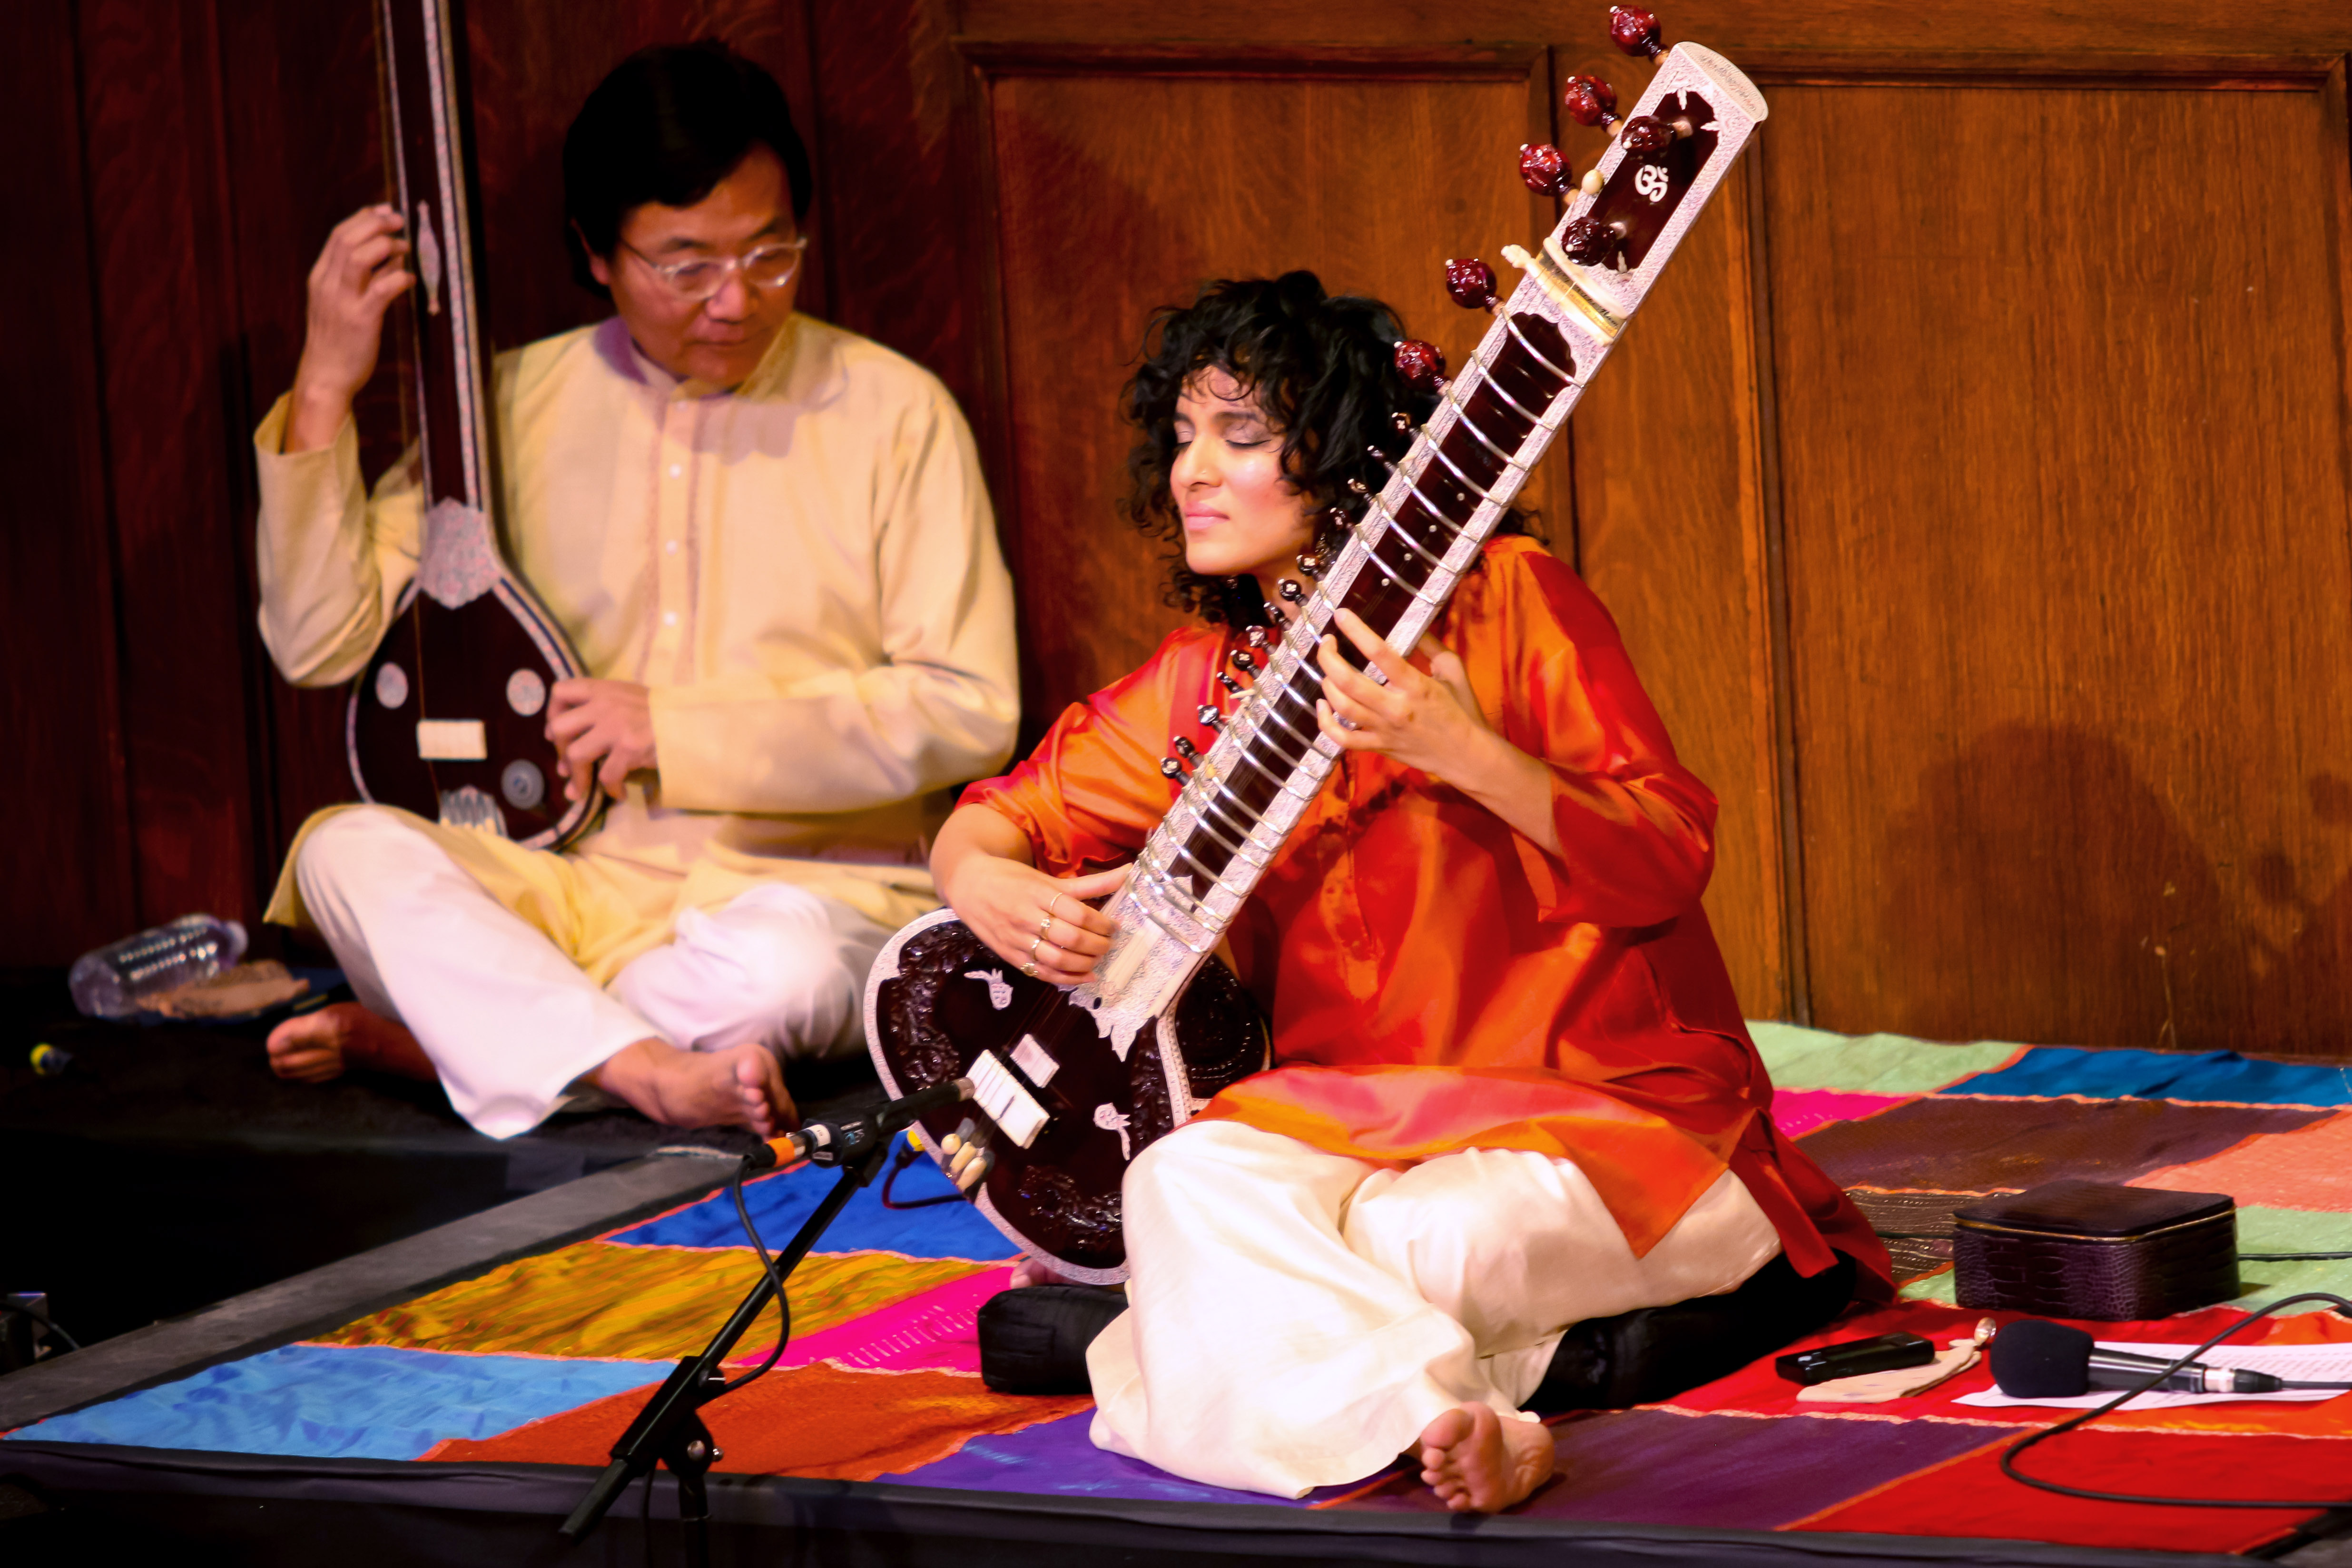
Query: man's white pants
x=1297, y=1318
x=510, y=1022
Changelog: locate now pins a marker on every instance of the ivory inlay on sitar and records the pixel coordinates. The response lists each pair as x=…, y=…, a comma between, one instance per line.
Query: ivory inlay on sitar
x=449, y=719
x=1072, y=1082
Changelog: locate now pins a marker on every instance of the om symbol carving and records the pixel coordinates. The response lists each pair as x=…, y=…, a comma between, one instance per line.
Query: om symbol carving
x=1650, y=180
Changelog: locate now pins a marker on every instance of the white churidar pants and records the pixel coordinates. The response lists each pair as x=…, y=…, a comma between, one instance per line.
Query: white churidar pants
x=509, y=1022
x=1297, y=1318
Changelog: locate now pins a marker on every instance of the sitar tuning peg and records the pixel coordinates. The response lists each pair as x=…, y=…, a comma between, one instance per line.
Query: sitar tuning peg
x=1403, y=422
x=1289, y=589
x=1169, y=768
x=1545, y=169
x=1209, y=716
x=1635, y=31
x=1233, y=687
x=1590, y=100
x=1646, y=133
x=1357, y=488
x=1186, y=749
x=1470, y=282
x=1422, y=365
x=1311, y=564
x=1242, y=659
x=1590, y=241
x=1273, y=613
x=1257, y=639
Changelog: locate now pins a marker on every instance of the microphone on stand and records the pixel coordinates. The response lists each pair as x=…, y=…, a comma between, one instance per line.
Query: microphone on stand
x=2035, y=1359
x=847, y=1138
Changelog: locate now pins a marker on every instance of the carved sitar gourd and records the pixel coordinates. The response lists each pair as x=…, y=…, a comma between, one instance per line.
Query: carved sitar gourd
x=449, y=719
x=1072, y=1082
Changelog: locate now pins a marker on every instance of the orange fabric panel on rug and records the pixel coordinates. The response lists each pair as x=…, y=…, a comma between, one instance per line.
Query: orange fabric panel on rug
x=819, y=1421
x=2309, y=1168
x=638, y=1303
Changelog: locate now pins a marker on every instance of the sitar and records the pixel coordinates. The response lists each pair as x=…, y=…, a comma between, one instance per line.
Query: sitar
x=1072, y=1082
x=449, y=719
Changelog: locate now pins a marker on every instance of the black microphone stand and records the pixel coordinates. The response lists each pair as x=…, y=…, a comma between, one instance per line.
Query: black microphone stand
x=669, y=1430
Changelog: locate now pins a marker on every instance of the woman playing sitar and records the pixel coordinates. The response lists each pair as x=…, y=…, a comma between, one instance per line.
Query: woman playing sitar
x=1512, y=1089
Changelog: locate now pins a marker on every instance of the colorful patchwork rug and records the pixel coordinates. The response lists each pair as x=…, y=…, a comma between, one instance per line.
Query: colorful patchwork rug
x=548, y=1359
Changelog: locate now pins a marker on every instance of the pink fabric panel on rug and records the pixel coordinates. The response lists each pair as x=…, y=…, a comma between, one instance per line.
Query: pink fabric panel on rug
x=2309, y=1168
x=1797, y=1111
x=935, y=1331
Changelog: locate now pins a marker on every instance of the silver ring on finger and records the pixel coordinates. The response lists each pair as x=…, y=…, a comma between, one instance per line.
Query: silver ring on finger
x=1035, y=942
x=1052, y=901
x=1029, y=970
x=1045, y=925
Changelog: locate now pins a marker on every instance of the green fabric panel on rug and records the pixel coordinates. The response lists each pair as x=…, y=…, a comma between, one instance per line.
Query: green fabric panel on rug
x=2291, y=1230
x=1876, y=1064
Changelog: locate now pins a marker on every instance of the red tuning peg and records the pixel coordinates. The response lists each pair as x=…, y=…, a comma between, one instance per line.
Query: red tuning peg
x=1421, y=364
x=1589, y=240
x=1470, y=282
x=1545, y=170
x=1636, y=31
x=1645, y=133
x=1590, y=100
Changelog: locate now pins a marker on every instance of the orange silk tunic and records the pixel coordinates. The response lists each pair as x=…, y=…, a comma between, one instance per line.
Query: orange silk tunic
x=1437, y=981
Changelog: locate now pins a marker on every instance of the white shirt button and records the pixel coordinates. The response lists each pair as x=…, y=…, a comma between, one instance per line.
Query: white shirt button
x=669, y=618
x=676, y=470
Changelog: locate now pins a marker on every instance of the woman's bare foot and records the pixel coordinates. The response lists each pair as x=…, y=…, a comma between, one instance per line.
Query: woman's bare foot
x=739, y=1087
x=1477, y=1462
x=312, y=1047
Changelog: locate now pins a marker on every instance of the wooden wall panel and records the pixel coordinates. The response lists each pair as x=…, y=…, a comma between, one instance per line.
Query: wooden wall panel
x=65, y=865
x=166, y=315
x=2063, y=454
x=1120, y=187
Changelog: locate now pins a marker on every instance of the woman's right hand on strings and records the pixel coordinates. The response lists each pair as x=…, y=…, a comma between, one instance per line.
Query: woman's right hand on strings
x=1027, y=917
x=358, y=275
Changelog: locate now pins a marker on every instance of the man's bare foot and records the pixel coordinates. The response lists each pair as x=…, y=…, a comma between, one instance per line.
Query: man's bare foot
x=739, y=1087
x=311, y=1048
x=1477, y=1462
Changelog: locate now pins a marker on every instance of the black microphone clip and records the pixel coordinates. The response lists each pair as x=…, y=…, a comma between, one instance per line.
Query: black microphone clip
x=847, y=1141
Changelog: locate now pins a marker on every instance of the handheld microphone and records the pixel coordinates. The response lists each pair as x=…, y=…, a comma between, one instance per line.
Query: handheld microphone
x=2036, y=1358
x=847, y=1139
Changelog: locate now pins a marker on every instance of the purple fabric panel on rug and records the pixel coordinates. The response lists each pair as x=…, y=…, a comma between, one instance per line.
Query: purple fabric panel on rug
x=1956, y=1145
x=1057, y=1458
x=1797, y=1111
x=1717, y=1472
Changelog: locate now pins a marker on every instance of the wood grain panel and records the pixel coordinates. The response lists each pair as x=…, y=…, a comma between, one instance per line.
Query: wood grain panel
x=66, y=865
x=2064, y=489
x=164, y=330
x=1119, y=191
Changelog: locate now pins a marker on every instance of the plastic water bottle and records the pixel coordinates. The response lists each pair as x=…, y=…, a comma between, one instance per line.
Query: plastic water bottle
x=114, y=980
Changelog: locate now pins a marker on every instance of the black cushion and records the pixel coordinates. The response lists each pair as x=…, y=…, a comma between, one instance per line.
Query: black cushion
x=1034, y=1341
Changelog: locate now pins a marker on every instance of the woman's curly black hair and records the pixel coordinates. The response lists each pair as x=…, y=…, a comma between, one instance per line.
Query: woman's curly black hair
x=1324, y=369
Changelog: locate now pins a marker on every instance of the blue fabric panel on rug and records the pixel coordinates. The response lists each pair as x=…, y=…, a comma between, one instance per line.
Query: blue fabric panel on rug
x=780, y=1203
x=342, y=1402
x=1057, y=1458
x=2164, y=1075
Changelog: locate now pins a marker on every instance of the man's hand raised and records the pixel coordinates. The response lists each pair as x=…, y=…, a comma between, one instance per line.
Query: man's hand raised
x=605, y=730
x=357, y=277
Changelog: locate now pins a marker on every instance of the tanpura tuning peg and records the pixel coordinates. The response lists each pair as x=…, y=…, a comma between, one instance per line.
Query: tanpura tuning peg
x=1590, y=100
x=1636, y=31
x=1289, y=589
x=1470, y=282
x=1545, y=169
x=1589, y=240
x=1209, y=715
x=1646, y=133
x=1421, y=364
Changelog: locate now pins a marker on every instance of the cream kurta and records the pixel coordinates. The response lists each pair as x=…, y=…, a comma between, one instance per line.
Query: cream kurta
x=804, y=573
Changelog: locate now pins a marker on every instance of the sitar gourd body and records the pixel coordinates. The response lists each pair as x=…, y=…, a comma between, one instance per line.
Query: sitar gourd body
x=449, y=719
x=1073, y=1082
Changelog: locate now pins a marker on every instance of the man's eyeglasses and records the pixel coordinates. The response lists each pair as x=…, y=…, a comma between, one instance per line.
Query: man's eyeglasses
x=769, y=266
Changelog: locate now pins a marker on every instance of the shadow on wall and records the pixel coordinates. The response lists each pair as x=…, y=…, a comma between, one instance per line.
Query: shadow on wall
x=2042, y=892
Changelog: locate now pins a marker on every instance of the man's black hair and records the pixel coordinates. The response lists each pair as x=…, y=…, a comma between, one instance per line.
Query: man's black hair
x=1323, y=367
x=667, y=126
